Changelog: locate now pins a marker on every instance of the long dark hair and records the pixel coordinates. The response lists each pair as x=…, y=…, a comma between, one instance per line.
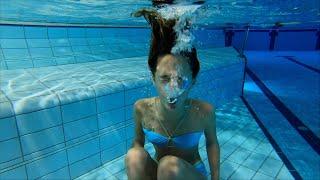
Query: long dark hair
x=163, y=38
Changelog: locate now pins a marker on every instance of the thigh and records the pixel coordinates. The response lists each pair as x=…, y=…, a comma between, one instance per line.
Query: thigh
x=189, y=170
x=139, y=157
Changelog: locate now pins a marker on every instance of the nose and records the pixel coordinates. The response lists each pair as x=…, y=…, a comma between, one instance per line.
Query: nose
x=174, y=83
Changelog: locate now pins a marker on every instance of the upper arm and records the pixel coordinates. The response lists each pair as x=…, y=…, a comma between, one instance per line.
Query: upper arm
x=210, y=125
x=137, y=114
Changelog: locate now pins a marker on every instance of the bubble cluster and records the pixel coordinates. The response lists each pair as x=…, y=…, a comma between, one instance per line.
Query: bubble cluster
x=185, y=15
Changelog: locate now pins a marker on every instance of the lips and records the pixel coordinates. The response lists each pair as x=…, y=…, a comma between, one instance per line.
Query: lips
x=172, y=102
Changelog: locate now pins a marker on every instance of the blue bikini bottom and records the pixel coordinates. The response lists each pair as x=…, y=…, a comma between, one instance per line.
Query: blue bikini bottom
x=199, y=165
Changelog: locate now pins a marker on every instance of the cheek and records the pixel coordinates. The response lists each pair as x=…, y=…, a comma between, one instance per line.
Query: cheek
x=159, y=88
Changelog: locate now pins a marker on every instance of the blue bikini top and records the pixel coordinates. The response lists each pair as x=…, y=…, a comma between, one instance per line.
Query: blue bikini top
x=183, y=141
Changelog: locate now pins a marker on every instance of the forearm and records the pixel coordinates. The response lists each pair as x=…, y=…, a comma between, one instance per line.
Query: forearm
x=213, y=152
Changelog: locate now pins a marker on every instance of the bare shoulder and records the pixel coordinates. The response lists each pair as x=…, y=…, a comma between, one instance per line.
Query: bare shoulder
x=142, y=105
x=204, y=107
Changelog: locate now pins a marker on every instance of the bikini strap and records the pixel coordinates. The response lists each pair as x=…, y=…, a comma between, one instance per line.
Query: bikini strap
x=179, y=124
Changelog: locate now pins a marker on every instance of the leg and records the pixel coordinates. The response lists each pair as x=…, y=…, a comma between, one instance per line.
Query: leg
x=140, y=165
x=172, y=167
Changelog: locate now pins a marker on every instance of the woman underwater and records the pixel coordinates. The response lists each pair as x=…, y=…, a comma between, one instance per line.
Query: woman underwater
x=172, y=121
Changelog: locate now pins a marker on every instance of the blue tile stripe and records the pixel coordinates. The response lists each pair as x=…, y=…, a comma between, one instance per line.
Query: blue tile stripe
x=295, y=122
x=274, y=144
x=293, y=59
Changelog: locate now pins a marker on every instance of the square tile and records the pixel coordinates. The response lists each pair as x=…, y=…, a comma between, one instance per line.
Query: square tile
x=81, y=167
x=57, y=42
x=39, y=120
x=47, y=165
x=254, y=161
x=57, y=32
x=242, y=173
x=13, y=43
x=259, y=176
x=62, y=51
x=62, y=174
x=284, y=174
x=39, y=140
x=84, y=108
x=112, y=138
x=227, y=168
x=34, y=103
x=111, y=153
x=44, y=63
x=79, y=42
x=9, y=150
x=264, y=148
x=84, y=126
x=6, y=109
x=76, y=32
x=122, y=175
x=65, y=60
x=12, y=32
x=93, y=32
x=250, y=143
x=8, y=128
x=115, y=165
x=83, y=150
x=99, y=174
x=271, y=167
x=129, y=112
x=130, y=131
x=38, y=43
x=132, y=95
x=227, y=150
x=15, y=53
x=239, y=155
x=80, y=49
x=36, y=32
x=274, y=155
x=110, y=101
x=16, y=173
x=110, y=118
x=95, y=41
x=41, y=52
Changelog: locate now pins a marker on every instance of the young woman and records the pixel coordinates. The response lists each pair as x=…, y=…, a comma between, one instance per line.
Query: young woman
x=171, y=121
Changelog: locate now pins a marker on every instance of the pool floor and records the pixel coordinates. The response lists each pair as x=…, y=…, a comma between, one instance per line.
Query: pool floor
x=283, y=90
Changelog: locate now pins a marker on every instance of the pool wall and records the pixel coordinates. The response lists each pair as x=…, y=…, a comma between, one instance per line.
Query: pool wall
x=38, y=46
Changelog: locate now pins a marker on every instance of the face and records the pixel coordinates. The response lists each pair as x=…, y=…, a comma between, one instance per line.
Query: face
x=173, y=81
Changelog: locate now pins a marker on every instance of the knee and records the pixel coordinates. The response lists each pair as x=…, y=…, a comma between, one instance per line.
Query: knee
x=169, y=167
x=136, y=156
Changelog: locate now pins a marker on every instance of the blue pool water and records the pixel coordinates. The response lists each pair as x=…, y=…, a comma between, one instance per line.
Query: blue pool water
x=70, y=72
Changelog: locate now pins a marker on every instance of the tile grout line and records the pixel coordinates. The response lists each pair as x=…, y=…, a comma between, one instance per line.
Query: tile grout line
x=24, y=34
x=62, y=124
x=274, y=144
x=294, y=121
x=18, y=133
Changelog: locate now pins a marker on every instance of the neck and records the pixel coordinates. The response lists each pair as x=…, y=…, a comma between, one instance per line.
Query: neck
x=172, y=115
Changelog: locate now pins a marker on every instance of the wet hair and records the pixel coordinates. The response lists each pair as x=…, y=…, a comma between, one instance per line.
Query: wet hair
x=163, y=38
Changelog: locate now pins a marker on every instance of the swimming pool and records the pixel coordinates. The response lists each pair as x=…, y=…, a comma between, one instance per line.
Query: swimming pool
x=68, y=82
